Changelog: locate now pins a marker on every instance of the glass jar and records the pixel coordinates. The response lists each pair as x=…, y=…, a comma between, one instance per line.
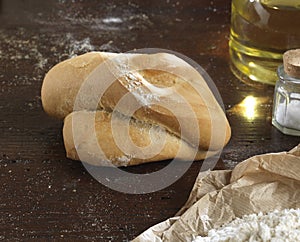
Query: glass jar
x=261, y=31
x=286, y=107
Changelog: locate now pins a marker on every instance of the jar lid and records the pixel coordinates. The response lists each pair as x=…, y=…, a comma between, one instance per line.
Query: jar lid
x=291, y=62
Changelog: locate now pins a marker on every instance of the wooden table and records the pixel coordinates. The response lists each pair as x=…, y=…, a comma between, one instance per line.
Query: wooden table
x=46, y=196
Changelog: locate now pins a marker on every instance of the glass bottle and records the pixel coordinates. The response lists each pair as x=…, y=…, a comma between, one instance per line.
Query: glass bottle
x=261, y=31
x=286, y=106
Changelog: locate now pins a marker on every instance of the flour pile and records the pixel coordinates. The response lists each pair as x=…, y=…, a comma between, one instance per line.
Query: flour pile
x=275, y=226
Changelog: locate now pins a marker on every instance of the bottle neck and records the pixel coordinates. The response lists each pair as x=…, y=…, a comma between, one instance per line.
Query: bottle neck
x=285, y=77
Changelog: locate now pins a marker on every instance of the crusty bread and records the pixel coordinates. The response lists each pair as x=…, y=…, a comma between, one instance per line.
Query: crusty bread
x=62, y=83
x=192, y=117
x=87, y=148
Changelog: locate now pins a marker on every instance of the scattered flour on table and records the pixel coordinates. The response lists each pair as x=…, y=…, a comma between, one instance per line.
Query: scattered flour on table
x=78, y=46
x=27, y=56
x=275, y=226
x=17, y=48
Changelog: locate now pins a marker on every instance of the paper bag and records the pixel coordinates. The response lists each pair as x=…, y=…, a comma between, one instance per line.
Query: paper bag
x=262, y=183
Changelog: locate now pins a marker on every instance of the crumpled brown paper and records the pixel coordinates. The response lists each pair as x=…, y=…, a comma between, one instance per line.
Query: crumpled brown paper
x=262, y=183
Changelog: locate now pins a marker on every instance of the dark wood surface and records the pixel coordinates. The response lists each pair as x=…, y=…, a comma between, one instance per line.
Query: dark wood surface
x=46, y=196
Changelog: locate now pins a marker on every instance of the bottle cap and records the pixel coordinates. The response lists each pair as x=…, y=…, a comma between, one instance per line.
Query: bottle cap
x=291, y=62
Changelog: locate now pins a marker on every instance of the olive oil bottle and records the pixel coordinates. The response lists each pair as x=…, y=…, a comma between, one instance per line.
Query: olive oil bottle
x=261, y=31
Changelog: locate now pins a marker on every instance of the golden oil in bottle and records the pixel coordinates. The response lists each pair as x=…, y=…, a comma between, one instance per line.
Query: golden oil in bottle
x=261, y=31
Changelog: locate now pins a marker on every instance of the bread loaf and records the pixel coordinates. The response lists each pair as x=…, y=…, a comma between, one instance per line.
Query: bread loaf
x=190, y=118
x=110, y=153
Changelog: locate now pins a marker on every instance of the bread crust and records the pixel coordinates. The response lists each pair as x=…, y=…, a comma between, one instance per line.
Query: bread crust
x=105, y=151
x=210, y=132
